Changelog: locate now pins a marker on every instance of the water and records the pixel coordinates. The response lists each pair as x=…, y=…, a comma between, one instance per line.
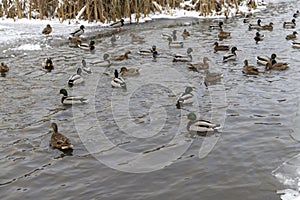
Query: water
x=139, y=129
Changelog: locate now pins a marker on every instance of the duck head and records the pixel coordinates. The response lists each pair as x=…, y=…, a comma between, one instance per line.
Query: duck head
x=82, y=27
x=54, y=127
x=189, y=50
x=192, y=116
x=63, y=92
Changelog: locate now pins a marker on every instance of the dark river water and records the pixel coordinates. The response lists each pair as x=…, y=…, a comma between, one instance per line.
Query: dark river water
x=133, y=143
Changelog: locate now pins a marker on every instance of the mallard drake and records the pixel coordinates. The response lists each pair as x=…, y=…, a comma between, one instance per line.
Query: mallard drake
x=255, y=26
x=3, y=68
x=71, y=100
x=296, y=14
x=183, y=58
x=276, y=66
x=76, y=79
x=147, y=52
x=296, y=45
x=211, y=78
x=122, y=57
x=58, y=140
x=87, y=46
x=268, y=26
x=78, y=32
x=185, y=98
x=291, y=24
x=118, y=24
x=48, y=65
x=185, y=34
x=118, y=82
x=200, y=126
x=231, y=55
x=85, y=68
x=105, y=62
x=291, y=36
x=129, y=72
x=216, y=26
x=259, y=37
x=252, y=70
x=137, y=38
x=176, y=44
x=218, y=47
x=197, y=66
x=223, y=35
x=47, y=30
x=263, y=60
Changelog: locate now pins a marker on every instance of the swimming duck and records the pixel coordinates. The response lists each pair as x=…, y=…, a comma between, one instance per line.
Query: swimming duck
x=185, y=98
x=200, y=126
x=218, y=47
x=268, y=26
x=263, y=60
x=74, y=41
x=197, y=66
x=48, y=64
x=58, y=140
x=247, y=18
x=105, y=62
x=255, y=26
x=136, y=38
x=216, y=26
x=296, y=14
x=129, y=72
x=252, y=70
x=185, y=34
x=277, y=66
x=147, y=52
x=118, y=24
x=211, y=78
x=259, y=37
x=291, y=24
x=76, y=79
x=47, y=30
x=183, y=58
x=231, y=55
x=173, y=36
x=3, y=68
x=78, y=32
x=296, y=45
x=291, y=36
x=118, y=82
x=122, y=57
x=223, y=35
x=85, y=68
x=71, y=100
x=87, y=46
x=178, y=44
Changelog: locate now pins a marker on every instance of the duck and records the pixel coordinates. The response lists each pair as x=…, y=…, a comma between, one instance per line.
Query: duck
x=259, y=37
x=247, y=18
x=183, y=58
x=200, y=126
x=58, y=140
x=296, y=45
x=118, y=24
x=48, y=65
x=296, y=14
x=185, y=98
x=175, y=44
x=197, y=66
x=74, y=41
x=87, y=46
x=216, y=26
x=114, y=38
x=3, y=68
x=218, y=47
x=231, y=55
x=76, y=79
x=277, y=66
x=78, y=32
x=291, y=36
x=122, y=57
x=173, y=36
x=255, y=26
x=137, y=38
x=185, y=34
x=118, y=82
x=71, y=100
x=147, y=52
x=47, y=30
x=124, y=71
x=211, y=78
x=291, y=24
x=85, y=68
x=263, y=60
x=223, y=35
x=105, y=62
x=251, y=70
x=267, y=26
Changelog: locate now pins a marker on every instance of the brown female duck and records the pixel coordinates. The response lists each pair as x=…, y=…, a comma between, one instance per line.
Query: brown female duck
x=122, y=57
x=291, y=36
x=252, y=70
x=58, y=140
x=47, y=30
